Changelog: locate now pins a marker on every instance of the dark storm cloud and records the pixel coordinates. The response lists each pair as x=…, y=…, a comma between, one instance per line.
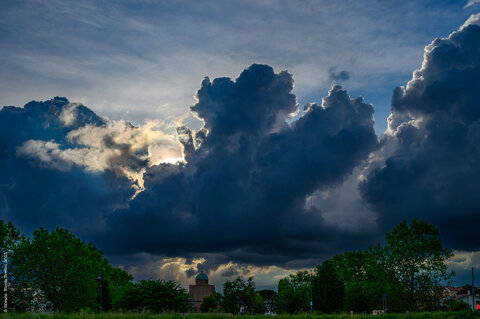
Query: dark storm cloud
x=39, y=185
x=243, y=188
x=434, y=126
x=240, y=195
x=41, y=120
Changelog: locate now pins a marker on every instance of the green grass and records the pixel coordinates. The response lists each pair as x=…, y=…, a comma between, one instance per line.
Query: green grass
x=87, y=315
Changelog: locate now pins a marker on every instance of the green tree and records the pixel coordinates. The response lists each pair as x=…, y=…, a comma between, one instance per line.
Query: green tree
x=367, y=281
x=328, y=289
x=238, y=293
x=10, y=238
x=415, y=254
x=259, y=304
x=114, y=281
x=293, y=293
x=63, y=269
x=155, y=296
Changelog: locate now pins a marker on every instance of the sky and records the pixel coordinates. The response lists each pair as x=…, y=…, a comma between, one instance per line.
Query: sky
x=251, y=138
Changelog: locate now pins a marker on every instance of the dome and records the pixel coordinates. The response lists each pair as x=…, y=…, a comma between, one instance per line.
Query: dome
x=201, y=277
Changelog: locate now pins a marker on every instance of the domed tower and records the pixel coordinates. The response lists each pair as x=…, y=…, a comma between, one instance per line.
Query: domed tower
x=201, y=279
x=199, y=290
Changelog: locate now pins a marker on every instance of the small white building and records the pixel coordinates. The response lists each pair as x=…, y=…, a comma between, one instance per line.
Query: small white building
x=467, y=298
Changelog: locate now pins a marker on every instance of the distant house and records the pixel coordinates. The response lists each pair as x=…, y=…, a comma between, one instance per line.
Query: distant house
x=199, y=290
x=467, y=298
x=463, y=294
x=453, y=291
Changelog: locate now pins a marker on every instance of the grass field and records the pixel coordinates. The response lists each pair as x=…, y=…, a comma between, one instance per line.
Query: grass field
x=419, y=315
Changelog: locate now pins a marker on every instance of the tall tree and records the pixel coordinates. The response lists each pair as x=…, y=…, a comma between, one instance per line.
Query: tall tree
x=294, y=293
x=415, y=254
x=238, y=293
x=10, y=238
x=115, y=281
x=328, y=289
x=259, y=304
x=64, y=270
x=367, y=281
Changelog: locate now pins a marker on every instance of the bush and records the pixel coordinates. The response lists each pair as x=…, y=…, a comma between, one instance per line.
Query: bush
x=209, y=304
x=456, y=305
x=154, y=296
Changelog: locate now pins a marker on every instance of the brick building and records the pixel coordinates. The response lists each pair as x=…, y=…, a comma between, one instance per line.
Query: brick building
x=199, y=290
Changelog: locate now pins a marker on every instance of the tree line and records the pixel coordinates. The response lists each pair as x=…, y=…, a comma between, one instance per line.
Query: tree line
x=406, y=273
x=56, y=271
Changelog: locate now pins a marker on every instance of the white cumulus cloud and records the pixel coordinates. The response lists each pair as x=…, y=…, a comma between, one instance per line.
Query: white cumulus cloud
x=119, y=146
x=473, y=19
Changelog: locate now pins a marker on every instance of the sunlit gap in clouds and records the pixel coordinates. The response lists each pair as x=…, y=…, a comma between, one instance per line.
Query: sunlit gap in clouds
x=148, y=143
x=119, y=146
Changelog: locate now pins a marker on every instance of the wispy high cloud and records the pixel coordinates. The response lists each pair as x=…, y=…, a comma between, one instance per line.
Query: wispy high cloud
x=472, y=3
x=142, y=60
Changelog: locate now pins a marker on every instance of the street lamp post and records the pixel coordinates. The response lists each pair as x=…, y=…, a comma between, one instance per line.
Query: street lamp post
x=384, y=303
x=238, y=303
x=100, y=282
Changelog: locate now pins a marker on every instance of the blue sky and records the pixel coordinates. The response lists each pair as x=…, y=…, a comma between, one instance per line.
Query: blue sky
x=138, y=60
x=334, y=186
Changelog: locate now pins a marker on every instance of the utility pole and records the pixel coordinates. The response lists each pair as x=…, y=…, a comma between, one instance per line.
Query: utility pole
x=473, y=292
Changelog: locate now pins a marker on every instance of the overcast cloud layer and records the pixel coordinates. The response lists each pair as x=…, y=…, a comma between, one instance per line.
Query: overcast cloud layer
x=265, y=185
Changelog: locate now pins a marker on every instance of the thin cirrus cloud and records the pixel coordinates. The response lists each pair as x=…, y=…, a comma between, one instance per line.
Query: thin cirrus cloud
x=472, y=3
x=142, y=60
